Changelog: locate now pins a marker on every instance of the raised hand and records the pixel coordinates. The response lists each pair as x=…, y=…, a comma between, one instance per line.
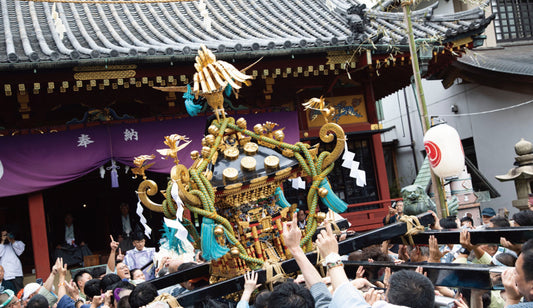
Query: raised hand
x=326, y=242
x=464, y=239
x=61, y=268
x=507, y=244
x=509, y=283
x=113, y=244
x=250, y=284
x=420, y=270
x=360, y=272
x=436, y=225
x=434, y=252
x=55, y=268
x=250, y=281
x=292, y=234
x=120, y=256
x=72, y=289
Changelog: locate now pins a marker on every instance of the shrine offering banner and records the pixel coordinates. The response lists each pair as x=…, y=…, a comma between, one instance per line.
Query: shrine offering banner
x=31, y=163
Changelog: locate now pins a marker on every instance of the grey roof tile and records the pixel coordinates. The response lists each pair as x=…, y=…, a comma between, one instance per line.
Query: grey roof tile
x=516, y=60
x=28, y=33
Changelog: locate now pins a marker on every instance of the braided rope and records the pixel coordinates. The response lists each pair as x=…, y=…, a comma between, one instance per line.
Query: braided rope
x=308, y=157
x=413, y=227
x=214, y=148
x=263, y=138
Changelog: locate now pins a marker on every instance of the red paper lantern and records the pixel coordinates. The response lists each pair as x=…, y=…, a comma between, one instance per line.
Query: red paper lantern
x=444, y=150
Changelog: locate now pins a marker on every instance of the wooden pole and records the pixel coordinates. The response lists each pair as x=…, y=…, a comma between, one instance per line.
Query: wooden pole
x=421, y=99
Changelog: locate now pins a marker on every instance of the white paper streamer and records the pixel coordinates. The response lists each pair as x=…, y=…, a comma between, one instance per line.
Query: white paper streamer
x=177, y=199
x=139, y=211
x=361, y=178
x=350, y=163
x=298, y=183
x=182, y=233
x=354, y=169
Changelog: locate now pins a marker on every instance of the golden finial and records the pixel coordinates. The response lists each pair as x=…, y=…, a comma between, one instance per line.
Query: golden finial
x=319, y=104
x=173, y=143
x=141, y=164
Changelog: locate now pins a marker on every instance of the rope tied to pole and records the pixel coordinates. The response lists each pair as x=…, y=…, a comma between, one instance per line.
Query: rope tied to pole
x=413, y=227
x=274, y=273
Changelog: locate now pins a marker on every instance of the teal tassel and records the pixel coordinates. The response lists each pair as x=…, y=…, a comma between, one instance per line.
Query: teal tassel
x=280, y=198
x=170, y=241
x=331, y=199
x=192, y=108
x=211, y=250
x=227, y=90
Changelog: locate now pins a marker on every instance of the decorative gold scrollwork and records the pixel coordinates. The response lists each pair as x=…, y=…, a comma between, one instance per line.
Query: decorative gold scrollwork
x=180, y=174
x=149, y=188
x=326, y=136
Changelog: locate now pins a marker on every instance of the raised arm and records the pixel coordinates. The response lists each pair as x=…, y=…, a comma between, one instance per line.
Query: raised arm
x=48, y=284
x=112, y=254
x=329, y=250
x=292, y=236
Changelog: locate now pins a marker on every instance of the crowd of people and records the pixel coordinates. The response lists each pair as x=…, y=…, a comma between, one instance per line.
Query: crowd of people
x=126, y=283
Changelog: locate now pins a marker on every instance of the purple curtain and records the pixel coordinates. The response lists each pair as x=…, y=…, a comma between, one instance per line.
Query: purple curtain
x=31, y=163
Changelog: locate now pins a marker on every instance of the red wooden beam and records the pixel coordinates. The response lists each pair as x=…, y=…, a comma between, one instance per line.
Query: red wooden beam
x=38, y=235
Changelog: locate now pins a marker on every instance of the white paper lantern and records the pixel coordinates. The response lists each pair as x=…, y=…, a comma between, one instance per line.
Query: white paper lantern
x=444, y=150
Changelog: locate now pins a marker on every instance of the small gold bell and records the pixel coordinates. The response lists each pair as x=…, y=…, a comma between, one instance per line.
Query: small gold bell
x=322, y=192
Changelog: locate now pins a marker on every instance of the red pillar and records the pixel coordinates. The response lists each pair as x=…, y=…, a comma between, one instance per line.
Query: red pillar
x=377, y=147
x=38, y=235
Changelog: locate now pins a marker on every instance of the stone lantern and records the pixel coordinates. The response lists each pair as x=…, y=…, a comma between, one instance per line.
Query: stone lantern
x=522, y=175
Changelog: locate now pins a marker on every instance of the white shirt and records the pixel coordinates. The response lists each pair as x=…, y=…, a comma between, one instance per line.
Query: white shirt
x=9, y=259
x=69, y=234
x=126, y=226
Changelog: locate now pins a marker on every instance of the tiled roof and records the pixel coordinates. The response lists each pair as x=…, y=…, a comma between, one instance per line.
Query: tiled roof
x=516, y=60
x=158, y=30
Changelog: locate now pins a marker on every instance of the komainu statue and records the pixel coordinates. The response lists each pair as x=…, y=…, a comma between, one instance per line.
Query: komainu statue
x=416, y=201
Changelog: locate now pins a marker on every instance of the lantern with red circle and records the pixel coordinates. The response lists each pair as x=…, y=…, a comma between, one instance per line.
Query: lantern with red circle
x=444, y=150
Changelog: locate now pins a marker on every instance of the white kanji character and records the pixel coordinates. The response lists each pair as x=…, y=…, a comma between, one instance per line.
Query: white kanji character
x=130, y=134
x=84, y=140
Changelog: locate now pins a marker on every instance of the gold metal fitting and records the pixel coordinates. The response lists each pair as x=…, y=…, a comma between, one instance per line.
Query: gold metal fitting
x=322, y=192
x=279, y=135
x=251, y=148
x=195, y=154
x=320, y=216
x=210, y=139
x=230, y=174
x=258, y=129
x=213, y=130
x=205, y=152
x=241, y=123
x=248, y=163
x=219, y=231
x=271, y=162
x=234, y=252
x=231, y=153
